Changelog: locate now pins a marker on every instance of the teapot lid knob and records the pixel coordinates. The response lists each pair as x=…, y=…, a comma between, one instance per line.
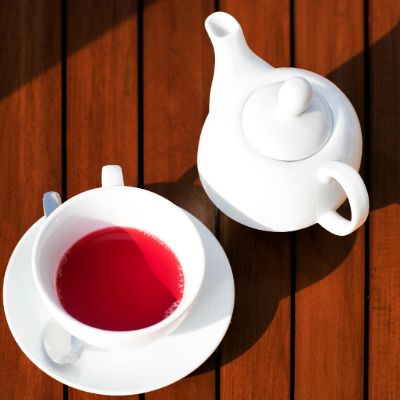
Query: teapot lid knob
x=295, y=95
x=287, y=120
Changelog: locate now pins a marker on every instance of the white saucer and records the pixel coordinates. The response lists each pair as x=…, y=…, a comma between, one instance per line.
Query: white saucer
x=135, y=370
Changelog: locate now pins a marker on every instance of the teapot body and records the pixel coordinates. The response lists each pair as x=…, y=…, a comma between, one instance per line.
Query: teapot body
x=262, y=192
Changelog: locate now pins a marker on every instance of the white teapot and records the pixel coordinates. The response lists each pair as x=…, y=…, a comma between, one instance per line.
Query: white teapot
x=281, y=147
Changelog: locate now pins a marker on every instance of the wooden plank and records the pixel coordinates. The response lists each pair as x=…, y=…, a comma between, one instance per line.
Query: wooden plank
x=177, y=75
x=384, y=249
x=30, y=120
x=101, y=97
x=329, y=330
x=255, y=354
x=101, y=92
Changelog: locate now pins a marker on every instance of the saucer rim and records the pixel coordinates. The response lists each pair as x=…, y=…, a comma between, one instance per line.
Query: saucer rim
x=114, y=392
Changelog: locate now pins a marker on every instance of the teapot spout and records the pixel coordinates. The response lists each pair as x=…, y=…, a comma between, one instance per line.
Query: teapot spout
x=233, y=56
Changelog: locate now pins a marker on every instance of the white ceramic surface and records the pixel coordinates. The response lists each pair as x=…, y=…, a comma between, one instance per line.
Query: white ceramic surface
x=117, y=205
x=266, y=147
x=125, y=371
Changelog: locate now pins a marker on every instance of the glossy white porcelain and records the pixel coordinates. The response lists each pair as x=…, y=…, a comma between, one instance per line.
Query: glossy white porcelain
x=281, y=147
x=117, y=205
x=132, y=370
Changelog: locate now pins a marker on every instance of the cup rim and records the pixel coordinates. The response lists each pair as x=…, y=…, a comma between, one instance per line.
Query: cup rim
x=59, y=313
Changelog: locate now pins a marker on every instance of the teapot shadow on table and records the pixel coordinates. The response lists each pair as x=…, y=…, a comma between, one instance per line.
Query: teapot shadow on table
x=264, y=280
x=262, y=284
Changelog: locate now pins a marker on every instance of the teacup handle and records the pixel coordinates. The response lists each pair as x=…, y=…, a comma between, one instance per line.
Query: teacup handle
x=356, y=192
x=111, y=175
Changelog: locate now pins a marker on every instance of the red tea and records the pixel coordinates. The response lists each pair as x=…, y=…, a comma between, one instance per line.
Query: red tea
x=119, y=279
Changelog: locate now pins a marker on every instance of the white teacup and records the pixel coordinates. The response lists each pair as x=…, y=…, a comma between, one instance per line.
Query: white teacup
x=117, y=205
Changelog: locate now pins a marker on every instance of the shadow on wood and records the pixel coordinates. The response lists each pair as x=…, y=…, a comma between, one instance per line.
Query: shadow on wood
x=15, y=50
x=188, y=194
x=254, y=322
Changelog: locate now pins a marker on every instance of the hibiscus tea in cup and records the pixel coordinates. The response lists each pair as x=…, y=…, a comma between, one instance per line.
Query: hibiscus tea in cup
x=119, y=279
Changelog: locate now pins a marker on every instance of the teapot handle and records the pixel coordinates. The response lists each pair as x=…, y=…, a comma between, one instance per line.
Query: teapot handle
x=356, y=192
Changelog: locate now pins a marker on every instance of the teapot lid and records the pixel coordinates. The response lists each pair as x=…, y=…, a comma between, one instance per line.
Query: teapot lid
x=288, y=120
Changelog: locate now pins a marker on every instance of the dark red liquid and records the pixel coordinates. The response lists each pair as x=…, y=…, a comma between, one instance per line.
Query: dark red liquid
x=119, y=279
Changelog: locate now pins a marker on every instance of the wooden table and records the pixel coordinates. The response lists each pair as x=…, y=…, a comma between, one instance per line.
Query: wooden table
x=85, y=83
